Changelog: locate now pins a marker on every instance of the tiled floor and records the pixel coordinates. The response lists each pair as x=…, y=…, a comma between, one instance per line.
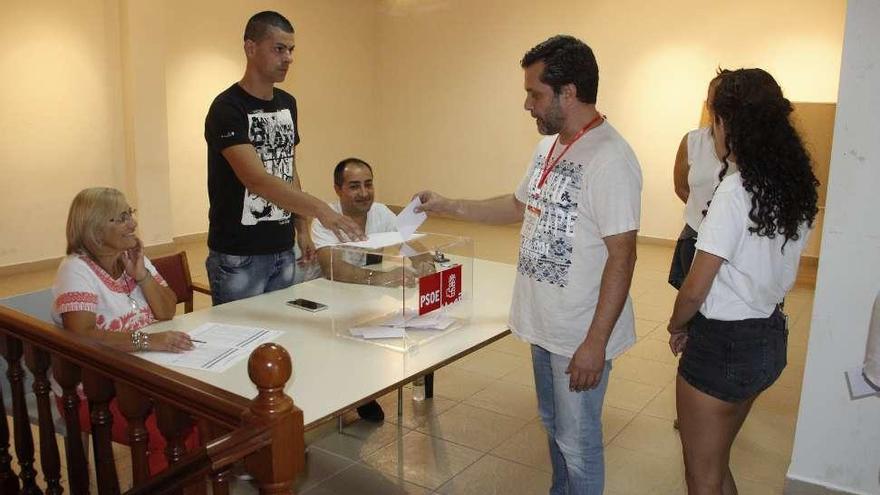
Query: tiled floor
x=480, y=434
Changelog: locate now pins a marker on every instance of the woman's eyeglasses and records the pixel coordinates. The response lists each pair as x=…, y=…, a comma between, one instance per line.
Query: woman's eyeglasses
x=124, y=217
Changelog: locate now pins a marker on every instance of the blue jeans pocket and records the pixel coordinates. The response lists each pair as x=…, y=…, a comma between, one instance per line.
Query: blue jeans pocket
x=229, y=262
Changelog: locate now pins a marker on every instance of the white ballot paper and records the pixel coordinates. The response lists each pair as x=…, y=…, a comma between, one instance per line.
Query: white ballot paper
x=858, y=386
x=225, y=345
x=395, y=324
x=379, y=240
x=408, y=221
x=377, y=332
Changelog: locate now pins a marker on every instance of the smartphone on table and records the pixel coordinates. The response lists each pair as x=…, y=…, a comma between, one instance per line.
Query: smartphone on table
x=307, y=305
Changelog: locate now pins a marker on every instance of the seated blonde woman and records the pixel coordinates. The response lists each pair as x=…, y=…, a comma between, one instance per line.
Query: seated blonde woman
x=107, y=290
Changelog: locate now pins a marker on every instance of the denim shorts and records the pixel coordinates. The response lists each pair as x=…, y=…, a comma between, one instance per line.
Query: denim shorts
x=734, y=360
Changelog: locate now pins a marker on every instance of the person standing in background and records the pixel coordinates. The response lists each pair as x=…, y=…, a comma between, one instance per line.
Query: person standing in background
x=696, y=175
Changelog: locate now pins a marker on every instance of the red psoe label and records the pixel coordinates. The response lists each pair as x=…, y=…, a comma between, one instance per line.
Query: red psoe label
x=439, y=289
x=429, y=293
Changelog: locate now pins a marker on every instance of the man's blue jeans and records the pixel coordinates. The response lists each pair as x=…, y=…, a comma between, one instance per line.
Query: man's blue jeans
x=237, y=277
x=573, y=421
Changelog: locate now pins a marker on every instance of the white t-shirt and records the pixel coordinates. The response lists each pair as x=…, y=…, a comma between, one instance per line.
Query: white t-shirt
x=593, y=192
x=757, y=272
x=379, y=219
x=119, y=304
x=703, y=169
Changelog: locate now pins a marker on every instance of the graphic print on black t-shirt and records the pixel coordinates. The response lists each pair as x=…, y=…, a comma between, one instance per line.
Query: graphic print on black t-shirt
x=545, y=251
x=271, y=133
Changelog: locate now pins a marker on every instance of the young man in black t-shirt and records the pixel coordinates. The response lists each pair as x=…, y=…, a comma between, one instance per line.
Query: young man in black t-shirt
x=256, y=198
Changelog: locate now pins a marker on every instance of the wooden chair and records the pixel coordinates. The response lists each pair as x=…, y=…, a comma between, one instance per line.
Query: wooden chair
x=174, y=269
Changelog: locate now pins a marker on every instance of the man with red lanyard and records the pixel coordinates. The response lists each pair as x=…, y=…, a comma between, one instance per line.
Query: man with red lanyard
x=579, y=204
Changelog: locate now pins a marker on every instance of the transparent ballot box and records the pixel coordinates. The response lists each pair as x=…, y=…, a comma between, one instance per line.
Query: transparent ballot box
x=401, y=294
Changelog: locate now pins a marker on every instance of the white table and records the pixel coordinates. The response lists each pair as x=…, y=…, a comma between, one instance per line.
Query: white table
x=330, y=373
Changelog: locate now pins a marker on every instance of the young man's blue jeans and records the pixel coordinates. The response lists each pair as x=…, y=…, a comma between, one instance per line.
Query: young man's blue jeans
x=237, y=277
x=573, y=421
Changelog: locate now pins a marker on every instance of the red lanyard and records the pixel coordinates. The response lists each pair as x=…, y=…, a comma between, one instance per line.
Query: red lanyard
x=548, y=167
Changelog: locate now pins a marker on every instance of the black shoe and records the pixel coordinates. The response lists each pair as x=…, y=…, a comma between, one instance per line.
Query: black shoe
x=371, y=411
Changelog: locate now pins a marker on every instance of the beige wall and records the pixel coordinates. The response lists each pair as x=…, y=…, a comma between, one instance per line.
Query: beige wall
x=61, y=119
x=430, y=91
x=451, y=98
x=332, y=79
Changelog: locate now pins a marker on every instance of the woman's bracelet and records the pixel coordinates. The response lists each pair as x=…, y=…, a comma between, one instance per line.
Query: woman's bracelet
x=140, y=341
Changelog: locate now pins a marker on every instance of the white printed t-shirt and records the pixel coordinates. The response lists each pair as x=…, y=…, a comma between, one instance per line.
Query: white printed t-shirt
x=82, y=285
x=757, y=272
x=379, y=219
x=593, y=192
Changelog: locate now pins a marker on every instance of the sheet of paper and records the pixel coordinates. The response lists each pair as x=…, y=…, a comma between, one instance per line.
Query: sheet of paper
x=377, y=332
x=408, y=221
x=221, y=335
x=436, y=320
x=225, y=345
x=202, y=357
x=381, y=239
x=858, y=386
x=407, y=250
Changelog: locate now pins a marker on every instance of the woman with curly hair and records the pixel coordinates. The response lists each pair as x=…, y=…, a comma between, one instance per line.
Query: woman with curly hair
x=727, y=322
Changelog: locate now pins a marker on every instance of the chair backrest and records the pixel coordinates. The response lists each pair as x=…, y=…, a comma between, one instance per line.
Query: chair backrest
x=174, y=269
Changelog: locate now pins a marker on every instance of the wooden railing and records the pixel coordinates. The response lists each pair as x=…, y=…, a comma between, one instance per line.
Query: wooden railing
x=266, y=432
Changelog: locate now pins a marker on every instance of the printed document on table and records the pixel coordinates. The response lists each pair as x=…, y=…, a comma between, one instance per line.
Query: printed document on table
x=225, y=345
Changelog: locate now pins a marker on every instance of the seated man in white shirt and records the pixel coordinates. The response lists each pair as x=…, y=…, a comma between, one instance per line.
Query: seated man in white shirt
x=353, y=182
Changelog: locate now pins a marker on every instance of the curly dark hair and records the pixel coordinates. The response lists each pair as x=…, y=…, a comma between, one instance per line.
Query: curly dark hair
x=774, y=166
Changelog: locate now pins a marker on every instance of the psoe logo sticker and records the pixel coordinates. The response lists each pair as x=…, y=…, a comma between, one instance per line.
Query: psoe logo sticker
x=451, y=285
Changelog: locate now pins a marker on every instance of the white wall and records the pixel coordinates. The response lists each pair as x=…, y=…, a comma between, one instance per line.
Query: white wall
x=452, y=90
x=837, y=442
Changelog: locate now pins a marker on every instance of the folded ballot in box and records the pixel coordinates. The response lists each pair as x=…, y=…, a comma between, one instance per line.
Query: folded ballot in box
x=401, y=293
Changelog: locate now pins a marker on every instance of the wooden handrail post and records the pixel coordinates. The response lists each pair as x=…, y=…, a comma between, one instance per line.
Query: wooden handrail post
x=38, y=362
x=69, y=376
x=136, y=407
x=100, y=391
x=8, y=479
x=275, y=466
x=24, y=441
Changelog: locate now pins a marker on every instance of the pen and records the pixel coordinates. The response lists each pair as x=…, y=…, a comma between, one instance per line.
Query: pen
x=198, y=341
